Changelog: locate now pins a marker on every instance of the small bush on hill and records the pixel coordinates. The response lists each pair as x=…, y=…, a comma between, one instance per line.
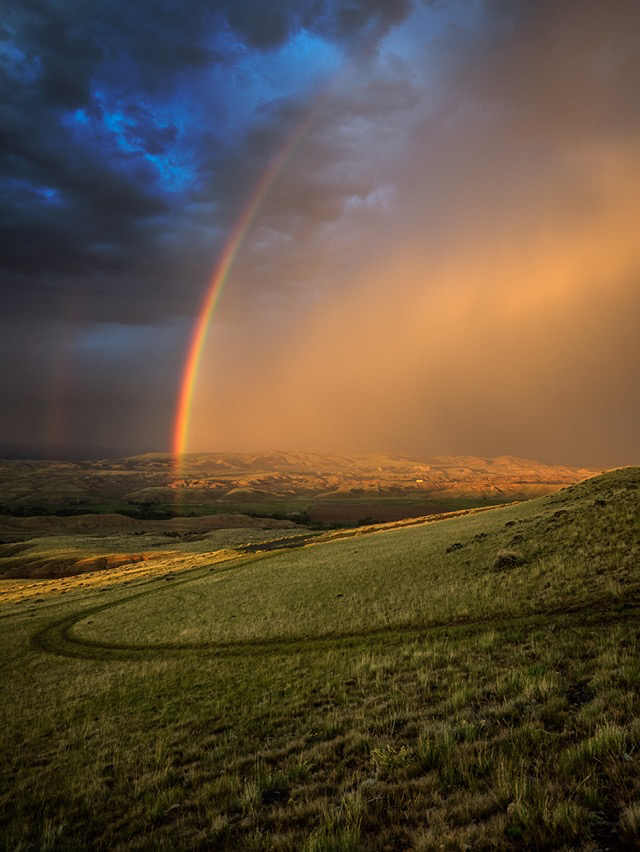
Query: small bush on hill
x=508, y=559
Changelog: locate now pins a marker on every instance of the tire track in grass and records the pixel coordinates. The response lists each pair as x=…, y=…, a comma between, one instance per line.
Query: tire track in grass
x=56, y=638
x=264, y=550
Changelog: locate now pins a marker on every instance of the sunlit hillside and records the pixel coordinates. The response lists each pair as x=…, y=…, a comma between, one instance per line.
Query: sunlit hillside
x=463, y=682
x=323, y=487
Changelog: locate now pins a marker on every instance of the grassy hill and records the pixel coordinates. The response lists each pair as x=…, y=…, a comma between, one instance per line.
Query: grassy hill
x=464, y=683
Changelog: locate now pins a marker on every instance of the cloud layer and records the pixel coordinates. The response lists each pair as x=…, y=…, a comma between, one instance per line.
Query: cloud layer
x=446, y=263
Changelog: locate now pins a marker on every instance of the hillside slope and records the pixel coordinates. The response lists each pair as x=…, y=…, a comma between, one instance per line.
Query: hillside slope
x=469, y=682
x=578, y=548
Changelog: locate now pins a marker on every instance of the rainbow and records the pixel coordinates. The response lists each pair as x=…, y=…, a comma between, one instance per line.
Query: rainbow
x=221, y=273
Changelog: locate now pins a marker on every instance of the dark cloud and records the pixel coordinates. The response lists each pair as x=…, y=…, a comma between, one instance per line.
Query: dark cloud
x=367, y=20
x=101, y=164
x=358, y=22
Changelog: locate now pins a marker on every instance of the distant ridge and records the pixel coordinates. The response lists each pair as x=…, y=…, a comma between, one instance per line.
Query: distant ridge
x=322, y=487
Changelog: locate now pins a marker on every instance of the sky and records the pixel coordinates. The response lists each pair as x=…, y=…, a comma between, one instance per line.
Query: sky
x=416, y=222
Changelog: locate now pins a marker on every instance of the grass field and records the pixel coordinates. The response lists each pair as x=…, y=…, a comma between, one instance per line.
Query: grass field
x=466, y=683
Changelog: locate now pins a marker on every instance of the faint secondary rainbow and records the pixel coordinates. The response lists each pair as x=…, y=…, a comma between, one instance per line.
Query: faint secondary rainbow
x=227, y=258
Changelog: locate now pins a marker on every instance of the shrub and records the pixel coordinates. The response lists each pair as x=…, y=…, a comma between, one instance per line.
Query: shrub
x=506, y=559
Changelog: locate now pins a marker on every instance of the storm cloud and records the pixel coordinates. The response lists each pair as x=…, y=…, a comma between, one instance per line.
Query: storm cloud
x=446, y=261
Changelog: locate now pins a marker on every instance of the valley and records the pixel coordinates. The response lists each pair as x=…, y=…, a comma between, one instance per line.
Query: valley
x=323, y=487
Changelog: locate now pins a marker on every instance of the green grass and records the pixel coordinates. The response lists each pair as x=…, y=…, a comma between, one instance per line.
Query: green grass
x=414, y=688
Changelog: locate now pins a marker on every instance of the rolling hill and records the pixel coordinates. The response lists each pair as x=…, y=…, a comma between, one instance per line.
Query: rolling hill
x=324, y=487
x=464, y=681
